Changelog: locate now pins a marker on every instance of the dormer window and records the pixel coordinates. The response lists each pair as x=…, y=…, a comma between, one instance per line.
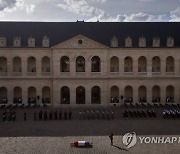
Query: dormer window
x=156, y=42
x=31, y=42
x=142, y=42
x=170, y=42
x=45, y=41
x=114, y=42
x=128, y=42
x=2, y=42
x=17, y=41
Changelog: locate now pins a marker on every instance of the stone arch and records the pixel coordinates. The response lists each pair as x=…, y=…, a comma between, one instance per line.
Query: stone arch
x=128, y=94
x=65, y=95
x=142, y=64
x=142, y=94
x=17, y=64
x=3, y=95
x=46, y=64
x=128, y=64
x=169, y=94
x=32, y=95
x=156, y=64
x=156, y=93
x=31, y=65
x=170, y=64
x=3, y=64
x=80, y=95
x=46, y=95
x=64, y=64
x=80, y=64
x=114, y=64
x=17, y=95
x=96, y=95
x=114, y=94
x=95, y=64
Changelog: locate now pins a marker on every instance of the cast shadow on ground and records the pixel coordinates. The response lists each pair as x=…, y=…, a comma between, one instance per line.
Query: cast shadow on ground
x=119, y=148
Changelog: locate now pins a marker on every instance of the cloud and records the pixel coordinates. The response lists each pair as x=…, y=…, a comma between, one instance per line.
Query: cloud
x=8, y=6
x=134, y=17
x=175, y=15
x=85, y=8
x=81, y=7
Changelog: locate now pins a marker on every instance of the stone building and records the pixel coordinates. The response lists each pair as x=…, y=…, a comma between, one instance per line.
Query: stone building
x=75, y=63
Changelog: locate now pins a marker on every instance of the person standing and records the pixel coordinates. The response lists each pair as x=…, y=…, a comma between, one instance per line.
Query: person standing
x=34, y=116
x=60, y=115
x=25, y=116
x=65, y=115
x=70, y=115
x=111, y=138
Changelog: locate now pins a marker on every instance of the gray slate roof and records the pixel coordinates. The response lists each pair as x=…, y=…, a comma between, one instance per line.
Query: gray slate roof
x=101, y=32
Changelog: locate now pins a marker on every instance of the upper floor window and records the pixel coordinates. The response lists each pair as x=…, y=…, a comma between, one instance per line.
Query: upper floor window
x=80, y=64
x=45, y=41
x=142, y=42
x=156, y=42
x=31, y=42
x=17, y=41
x=2, y=42
x=114, y=42
x=170, y=42
x=95, y=64
x=128, y=42
x=65, y=66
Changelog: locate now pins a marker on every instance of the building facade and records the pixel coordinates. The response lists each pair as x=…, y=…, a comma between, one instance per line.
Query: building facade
x=80, y=63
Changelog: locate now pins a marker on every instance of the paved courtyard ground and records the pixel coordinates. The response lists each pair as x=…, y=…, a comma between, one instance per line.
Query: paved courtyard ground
x=54, y=137
x=61, y=145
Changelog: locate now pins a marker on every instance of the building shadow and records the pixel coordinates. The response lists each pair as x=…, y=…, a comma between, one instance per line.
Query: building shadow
x=119, y=148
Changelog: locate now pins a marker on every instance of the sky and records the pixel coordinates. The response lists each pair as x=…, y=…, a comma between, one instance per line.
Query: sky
x=90, y=10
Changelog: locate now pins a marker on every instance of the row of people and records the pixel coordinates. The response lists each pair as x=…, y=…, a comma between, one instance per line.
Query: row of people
x=52, y=115
x=115, y=99
x=96, y=114
x=171, y=114
x=9, y=116
x=17, y=100
x=139, y=114
x=169, y=99
x=3, y=100
x=128, y=100
x=142, y=100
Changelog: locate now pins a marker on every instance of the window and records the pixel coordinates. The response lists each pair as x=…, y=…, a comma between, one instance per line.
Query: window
x=2, y=42
x=45, y=41
x=17, y=41
x=31, y=42
x=156, y=42
x=114, y=42
x=128, y=42
x=170, y=42
x=142, y=42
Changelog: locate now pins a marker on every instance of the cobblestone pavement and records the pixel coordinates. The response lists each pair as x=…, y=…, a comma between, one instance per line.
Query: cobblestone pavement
x=61, y=145
x=54, y=137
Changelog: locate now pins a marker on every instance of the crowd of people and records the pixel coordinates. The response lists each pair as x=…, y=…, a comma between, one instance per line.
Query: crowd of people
x=8, y=116
x=139, y=114
x=51, y=115
x=3, y=100
x=156, y=99
x=170, y=99
x=128, y=100
x=91, y=114
x=171, y=114
x=115, y=99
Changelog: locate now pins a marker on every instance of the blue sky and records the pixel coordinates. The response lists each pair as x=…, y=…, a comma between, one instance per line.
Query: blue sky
x=91, y=10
